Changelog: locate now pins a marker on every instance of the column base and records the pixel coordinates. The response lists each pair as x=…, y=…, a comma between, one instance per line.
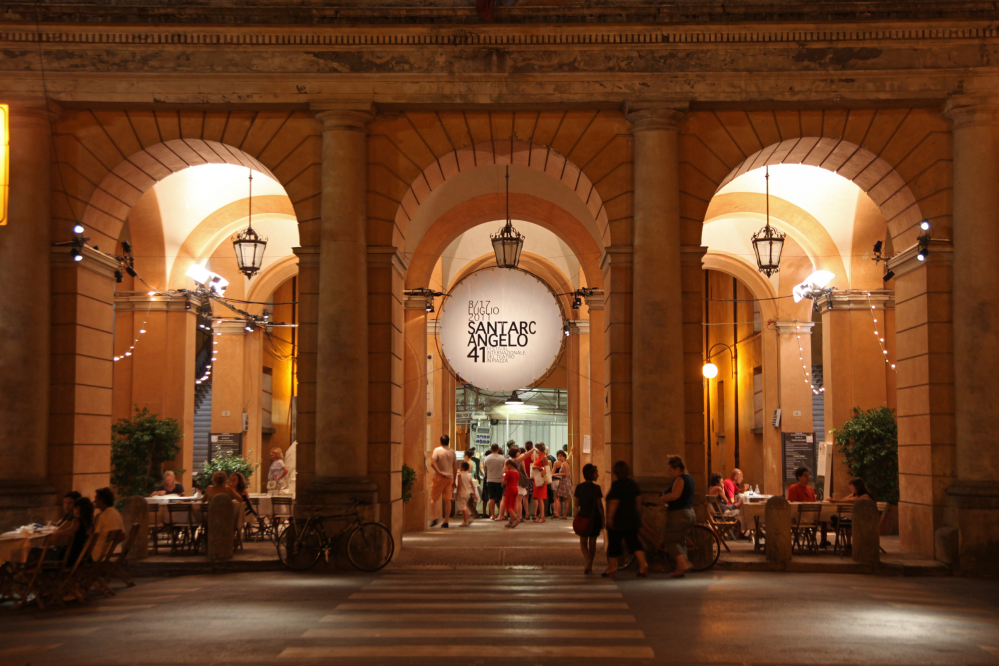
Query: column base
x=977, y=504
x=21, y=502
x=340, y=492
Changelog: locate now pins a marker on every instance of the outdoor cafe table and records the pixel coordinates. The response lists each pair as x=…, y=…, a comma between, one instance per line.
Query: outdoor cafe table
x=750, y=511
x=14, y=546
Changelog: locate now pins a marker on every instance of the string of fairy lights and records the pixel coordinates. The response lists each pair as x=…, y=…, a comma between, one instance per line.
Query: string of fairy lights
x=142, y=329
x=804, y=366
x=877, y=334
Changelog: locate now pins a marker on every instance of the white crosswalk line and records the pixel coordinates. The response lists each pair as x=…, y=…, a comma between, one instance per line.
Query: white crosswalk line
x=513, y=596
x=495, y=619
x=471, y=652
x=473, y=632
x=451, y=605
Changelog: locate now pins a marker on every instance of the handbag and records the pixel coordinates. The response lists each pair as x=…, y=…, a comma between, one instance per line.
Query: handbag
x=538, y=476
x=581, y=526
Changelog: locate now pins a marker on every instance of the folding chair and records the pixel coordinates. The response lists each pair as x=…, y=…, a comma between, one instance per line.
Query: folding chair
x=67, y=581
x=155, y=528
x=116, y=568
x=25, y=577
x=254, y=528
x=844, y=527
x=718, y=523
x=281, y=514
x=97, y=568
x=803, y=531
x=759, y=534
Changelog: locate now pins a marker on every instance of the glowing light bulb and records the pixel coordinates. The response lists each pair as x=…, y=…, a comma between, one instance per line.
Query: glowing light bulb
x=142, y=330
x=78, y=229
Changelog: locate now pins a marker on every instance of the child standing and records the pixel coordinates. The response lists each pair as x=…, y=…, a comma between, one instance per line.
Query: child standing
x=465, y=491
x=511, y=483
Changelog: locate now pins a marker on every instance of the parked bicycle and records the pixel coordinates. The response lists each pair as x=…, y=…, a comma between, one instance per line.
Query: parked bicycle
x=370, y=546
x=703, y=545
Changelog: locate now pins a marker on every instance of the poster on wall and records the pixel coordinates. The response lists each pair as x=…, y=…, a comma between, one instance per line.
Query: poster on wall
x=799, y=450
x=222, y=442
x=501, y=329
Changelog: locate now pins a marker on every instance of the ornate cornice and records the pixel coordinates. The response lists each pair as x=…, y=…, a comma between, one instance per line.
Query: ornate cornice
x=794, y=327
x=907, y=260
x=378, y=37
x=856, y=300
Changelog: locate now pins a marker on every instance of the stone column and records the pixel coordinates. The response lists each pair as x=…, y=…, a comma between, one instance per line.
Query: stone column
x=617, y=347
x=25, y=492
x=415, y=411
x=594, y=369
x=854, y=370
x=657, y=328
x=82, y=370
x=796, y=388
x=976, y=359
x=341, y=449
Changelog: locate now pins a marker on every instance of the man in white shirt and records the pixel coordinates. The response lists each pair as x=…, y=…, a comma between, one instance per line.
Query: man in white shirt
x=108, y=520
x=492, y=467
x=444, y=464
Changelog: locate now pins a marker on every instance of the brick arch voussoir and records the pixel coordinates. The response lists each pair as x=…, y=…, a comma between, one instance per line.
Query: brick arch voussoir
x=544, y=159
x=897, y=199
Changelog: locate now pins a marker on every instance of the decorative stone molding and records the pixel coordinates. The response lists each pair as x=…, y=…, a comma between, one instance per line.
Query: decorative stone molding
x=433, y=326
x=692, y=255
x=377, y=37
x=666, y=117
x=939, y=251
x=620, y=255
x=971, y=111
x=853, y=299
x=415, y=303
x=307, y=255
x=140, y=301
x=579, y=327
x=388, y=254
x=595, y=302
x=94, y=260
x=230, y=327
x=344, y=115
x=794, y=327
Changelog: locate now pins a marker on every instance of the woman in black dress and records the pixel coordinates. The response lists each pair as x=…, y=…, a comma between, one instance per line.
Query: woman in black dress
x=83, y=518
x=589, y=509
x=623, y=520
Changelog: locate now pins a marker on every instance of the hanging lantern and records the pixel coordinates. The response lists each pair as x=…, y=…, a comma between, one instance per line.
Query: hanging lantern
x=248, y=244
x=768, y=243
x=507, y=242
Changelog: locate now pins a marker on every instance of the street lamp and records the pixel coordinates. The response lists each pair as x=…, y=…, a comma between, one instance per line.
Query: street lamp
x=248, y=244
x=507, y=242
x=768, y=243
x=710, y=370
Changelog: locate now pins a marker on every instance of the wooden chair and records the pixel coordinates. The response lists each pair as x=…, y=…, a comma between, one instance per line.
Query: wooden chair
x=156, y=530
x=116, y=568
x=100, y=563
x=759, y=534
x=722, y=526
x=25, y=582
x=844, y=527
x=281, y=514
x=181, y=526
x=67, y=581
x=253, y=527
x=804, y=530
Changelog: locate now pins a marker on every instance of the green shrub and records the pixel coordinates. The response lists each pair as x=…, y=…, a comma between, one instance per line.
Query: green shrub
x=869, y=442
x=139, y=447
x=408, y=479
x=227, y=462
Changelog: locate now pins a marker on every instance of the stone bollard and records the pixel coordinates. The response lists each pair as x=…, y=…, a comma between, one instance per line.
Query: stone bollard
x=136, y=511
x=778, y=529
x=221, y=518
x=866, y=538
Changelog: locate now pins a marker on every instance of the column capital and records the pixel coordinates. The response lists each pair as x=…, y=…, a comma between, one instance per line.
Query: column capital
x=664, y=116
x=28, y=112
x=692, y=255
x=94, y=260
x=616, y=254
x=595, y=302
x=415, y=303
x=971, y=111
x=346, y=116
x=388, y=255
x=140, y=301
x=854, y=299
x=794, y=327
x=906, y=261
x=579, y=327
x=308, y=255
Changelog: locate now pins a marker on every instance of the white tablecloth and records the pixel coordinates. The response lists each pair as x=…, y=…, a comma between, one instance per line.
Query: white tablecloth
x=14, y=546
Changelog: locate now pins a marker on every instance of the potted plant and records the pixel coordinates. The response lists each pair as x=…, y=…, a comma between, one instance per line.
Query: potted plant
x=224, y=461
x=869, y=444
x=140, y=445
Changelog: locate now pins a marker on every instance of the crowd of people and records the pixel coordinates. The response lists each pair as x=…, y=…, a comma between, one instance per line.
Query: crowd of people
x=530, y=484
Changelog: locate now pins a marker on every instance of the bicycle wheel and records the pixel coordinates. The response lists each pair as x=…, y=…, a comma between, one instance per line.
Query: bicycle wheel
x=703, y=548
x=299, y=546
x=370, y=547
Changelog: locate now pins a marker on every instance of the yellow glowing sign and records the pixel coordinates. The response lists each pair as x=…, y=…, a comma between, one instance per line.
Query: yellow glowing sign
x=4, y=160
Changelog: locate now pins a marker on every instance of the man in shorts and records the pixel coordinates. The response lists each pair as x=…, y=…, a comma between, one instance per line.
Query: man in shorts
x=493, y=466
x=444, y=464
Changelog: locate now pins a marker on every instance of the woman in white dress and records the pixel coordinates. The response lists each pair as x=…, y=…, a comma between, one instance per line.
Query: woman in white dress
x=465, y=491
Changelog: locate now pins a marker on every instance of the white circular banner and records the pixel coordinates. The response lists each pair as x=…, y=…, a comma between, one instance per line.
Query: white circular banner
x=501, y=329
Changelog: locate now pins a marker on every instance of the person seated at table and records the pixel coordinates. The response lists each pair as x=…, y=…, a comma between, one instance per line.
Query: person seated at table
x=734, y=486
x=108, y=520
x=801, y=491
x=82, y=524
x=858, y=491
x=717, y=489
x=169, y=485
x=219, y=487
x=68, y=503
x=238, y=483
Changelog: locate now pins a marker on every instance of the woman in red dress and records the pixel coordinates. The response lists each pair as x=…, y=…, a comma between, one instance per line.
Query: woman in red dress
x=542, y=475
